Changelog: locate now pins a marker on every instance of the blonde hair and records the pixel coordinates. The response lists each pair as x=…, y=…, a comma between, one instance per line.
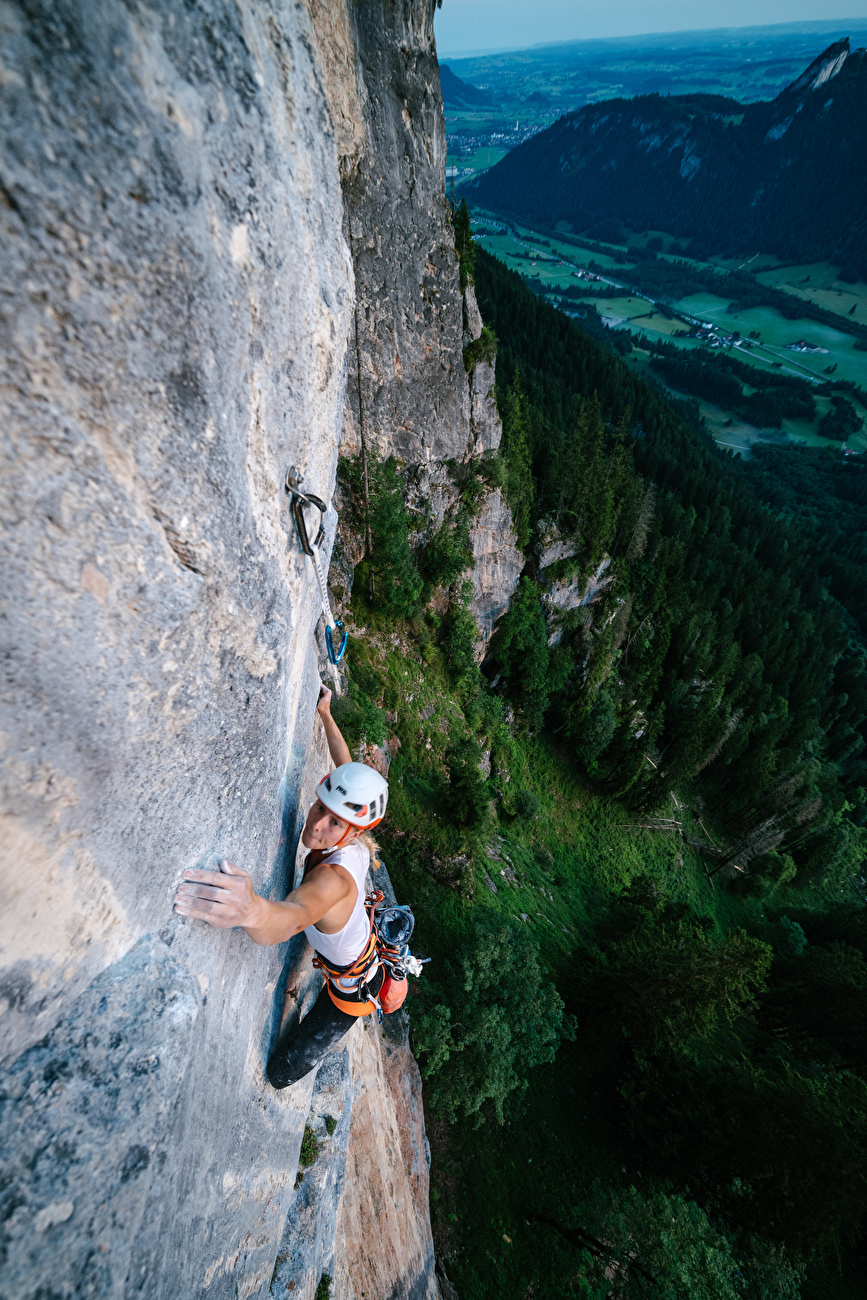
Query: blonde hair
x=372, y=847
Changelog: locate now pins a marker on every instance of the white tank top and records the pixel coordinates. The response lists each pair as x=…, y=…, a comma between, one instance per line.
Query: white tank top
x=342, y=948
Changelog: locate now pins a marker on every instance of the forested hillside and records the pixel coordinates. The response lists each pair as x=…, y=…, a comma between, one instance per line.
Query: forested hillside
x=633, y=844
x=779, y=177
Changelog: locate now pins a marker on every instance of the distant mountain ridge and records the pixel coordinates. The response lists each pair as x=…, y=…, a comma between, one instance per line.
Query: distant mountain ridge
x=785, y=176
x=460, y=94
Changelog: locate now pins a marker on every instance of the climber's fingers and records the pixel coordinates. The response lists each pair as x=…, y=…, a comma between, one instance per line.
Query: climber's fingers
x=221, y=898
x=201, y=910
x=204, y=891
x=218, y=878
x=230, y=869
x=324, y=702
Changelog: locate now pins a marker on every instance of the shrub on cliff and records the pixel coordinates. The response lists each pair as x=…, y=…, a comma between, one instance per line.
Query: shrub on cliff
x=486, y=1021
x=465, y=245
x=359, y=718
x=482, y=349
x=397, y=584
x=521, y=654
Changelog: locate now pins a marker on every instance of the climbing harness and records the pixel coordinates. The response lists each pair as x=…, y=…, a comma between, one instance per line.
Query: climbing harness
x=299, y=499
x=354, y=988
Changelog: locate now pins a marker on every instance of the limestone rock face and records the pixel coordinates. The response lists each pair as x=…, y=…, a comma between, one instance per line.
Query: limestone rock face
x=498, y=564
x=384, y=1245
x=472, y=316
x=484, y=419
x=177, y=299
x=192, y=198
x=92, y=1103
x=569, y=593
x=407, y=384
x=177, y=302
x=408, y=394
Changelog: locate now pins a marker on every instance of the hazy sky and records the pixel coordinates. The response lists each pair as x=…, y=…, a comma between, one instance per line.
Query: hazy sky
x=476, y=26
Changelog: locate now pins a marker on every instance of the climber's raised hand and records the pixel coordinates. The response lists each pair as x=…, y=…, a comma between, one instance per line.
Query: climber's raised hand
x=324, y=703
x=223, y=898
x=337, y=746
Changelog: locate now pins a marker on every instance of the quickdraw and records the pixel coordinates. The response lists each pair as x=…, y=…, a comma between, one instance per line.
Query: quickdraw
x=354, y=988
x=299, y=499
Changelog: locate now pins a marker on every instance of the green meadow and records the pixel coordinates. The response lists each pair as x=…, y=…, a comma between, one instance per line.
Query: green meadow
x=549, y=260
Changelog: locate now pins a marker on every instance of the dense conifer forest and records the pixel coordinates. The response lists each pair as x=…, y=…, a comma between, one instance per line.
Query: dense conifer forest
x=633, y=839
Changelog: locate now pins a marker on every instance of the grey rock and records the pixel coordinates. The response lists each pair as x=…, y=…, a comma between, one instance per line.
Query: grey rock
x=487, y=430
x=307, y=1247
x=177, y=185
x=176, y=315
x=411, y=386
x=177, y=302
x=497, y=564
x=572, y=593
x=84, y=1126
x=472, y=316
x=447, y=1289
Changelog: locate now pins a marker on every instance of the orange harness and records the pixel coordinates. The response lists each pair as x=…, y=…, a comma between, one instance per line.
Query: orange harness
x=349, y=986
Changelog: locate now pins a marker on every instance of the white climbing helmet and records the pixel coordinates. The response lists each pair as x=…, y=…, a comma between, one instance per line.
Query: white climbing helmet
x=356, y=793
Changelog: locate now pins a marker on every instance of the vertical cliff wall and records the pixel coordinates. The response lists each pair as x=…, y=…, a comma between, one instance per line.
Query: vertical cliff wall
x=177, y=296
x=189, y=196
x=408, y=394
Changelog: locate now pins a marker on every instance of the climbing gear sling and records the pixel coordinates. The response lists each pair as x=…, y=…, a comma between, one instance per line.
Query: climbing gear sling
x=299, y=499
x=354, y=988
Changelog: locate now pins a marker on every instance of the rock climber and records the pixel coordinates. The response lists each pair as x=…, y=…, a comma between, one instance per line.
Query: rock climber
x=328, y=905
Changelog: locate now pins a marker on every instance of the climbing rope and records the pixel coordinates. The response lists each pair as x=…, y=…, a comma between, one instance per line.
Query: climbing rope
x=299, y=499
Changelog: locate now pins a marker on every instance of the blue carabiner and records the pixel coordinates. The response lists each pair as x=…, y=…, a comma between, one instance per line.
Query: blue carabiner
x=335, y=658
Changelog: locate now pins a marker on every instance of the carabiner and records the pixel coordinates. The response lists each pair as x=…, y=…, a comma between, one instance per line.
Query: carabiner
x=299, y=501
x=335, y=657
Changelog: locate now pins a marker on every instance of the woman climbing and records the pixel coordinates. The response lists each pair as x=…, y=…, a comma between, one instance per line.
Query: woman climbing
x=328, y=905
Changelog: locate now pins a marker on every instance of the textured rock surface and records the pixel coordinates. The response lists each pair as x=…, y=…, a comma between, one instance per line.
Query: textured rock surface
x=176, y=304
x=407, y=380
x=384, y=1243
x=411, y=381
x=176, y=298
x=498, y=563
x=485, y=427
x=84, y=1126
x=177, y=301
x=572, y=592
x=565, y=594
x=307, y=1247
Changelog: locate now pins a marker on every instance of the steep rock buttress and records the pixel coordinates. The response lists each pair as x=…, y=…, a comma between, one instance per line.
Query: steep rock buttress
x=180, y=294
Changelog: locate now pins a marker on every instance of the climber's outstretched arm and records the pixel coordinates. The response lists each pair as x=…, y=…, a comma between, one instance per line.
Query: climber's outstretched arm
x=337, y=746
x=226, y=898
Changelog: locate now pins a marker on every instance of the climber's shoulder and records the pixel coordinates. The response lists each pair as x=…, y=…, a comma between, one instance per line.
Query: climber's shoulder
x=329, y=873
x=349, y=855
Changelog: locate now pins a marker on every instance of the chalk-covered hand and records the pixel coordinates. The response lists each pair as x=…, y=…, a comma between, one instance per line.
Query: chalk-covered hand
x=223, y=898
x=324, y=705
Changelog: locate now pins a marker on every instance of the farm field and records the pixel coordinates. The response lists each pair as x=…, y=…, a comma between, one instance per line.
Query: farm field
x=550, y=264
x=515, y=254
x=482, y=158
x=734, y=433
x=817, y=282
x=776, y=332
x=637, y=313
